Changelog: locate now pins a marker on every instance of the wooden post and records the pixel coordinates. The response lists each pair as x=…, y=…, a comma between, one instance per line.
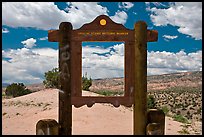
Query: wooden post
x=154, y=129
x=155, y=122
x=65, y=107
x=47, y=127
x=140, y=94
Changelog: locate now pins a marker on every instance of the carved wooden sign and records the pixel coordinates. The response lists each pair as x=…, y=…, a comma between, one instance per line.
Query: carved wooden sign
x=100, y=29
x=70, y=65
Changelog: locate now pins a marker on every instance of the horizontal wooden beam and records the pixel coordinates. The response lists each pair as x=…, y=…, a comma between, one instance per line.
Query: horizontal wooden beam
x=152, y=35
x=53, y=35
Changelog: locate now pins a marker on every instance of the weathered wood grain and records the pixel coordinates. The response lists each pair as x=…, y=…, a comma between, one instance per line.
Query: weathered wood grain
x=140, y=91
x=65, y=106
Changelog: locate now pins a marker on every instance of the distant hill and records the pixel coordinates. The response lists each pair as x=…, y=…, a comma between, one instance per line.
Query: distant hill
x=35, y=87
x=178, y=94
x=184, y=79
x=154, y=82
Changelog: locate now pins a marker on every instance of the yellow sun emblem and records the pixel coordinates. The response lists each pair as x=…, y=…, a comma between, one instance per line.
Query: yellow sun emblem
x=103, y=22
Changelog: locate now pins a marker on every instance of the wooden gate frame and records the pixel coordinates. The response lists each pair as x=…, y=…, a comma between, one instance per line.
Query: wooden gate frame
x=70, y=64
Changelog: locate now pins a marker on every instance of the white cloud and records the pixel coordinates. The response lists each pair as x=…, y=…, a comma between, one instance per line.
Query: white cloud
x=46, y=15
x=46, y=52
x=168, y=62
x=155, y=4
x=120, y=17
x=125, y=5
x=103, y=66
x=5, y=30
x=167, y=37
x=43, y=38
x=80, y=13
x=112, y=64
x=27, y=65
x=187, y=16
x=43, y=15
x=29, y=43
x=170, y=37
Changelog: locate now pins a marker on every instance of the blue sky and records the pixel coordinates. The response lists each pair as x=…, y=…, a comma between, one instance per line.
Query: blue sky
x=27, y=54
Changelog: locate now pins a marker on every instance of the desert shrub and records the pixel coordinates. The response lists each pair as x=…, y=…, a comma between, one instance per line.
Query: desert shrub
x=16, y=89
x=86, y=83
x=180, y=118
x=51, y=78
x=151, y=102
x=109, y=92
x=184, y=131
x=165, y=110
x=199, y=110
x=3, y=94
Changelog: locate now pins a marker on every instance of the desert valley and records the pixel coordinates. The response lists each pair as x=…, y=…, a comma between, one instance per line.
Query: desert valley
x=179, y=95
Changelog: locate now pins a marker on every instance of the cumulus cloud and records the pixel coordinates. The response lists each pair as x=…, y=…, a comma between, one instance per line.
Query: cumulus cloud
x=168, y=37
x=5, y=30
x=46, y=15
x=27, y=65
x=187, y=16
x=157, y=4
x=125, y=5
x=80, y=13
x=110, y=62
x=29, y=43
x=120, y=17
x=168, y=62
x=43, y=15
x=43, y=38
x=100, y=62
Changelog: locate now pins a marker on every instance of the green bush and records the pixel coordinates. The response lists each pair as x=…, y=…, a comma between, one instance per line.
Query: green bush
x=184, y=131
x=150, y=102
x=165, y=110
x=52, y=78
x=109, y=92
x=180, y=118
x=86, y=83
x=17, y=89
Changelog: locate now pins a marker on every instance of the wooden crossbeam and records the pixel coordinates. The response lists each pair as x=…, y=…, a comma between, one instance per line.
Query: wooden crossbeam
x=53, y=35
x=152, y=35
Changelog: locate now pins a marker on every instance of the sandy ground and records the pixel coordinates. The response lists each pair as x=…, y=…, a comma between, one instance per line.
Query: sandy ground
x=21, y=114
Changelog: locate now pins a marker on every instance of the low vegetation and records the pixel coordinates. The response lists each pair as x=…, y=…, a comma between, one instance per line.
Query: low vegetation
x=52, y=80
x=86, y=83
x=180, y=118
x=110, y=93
x=165, y=110
x=184, y=131
x=183, y=101
x=150, y=102
x=17, y=89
